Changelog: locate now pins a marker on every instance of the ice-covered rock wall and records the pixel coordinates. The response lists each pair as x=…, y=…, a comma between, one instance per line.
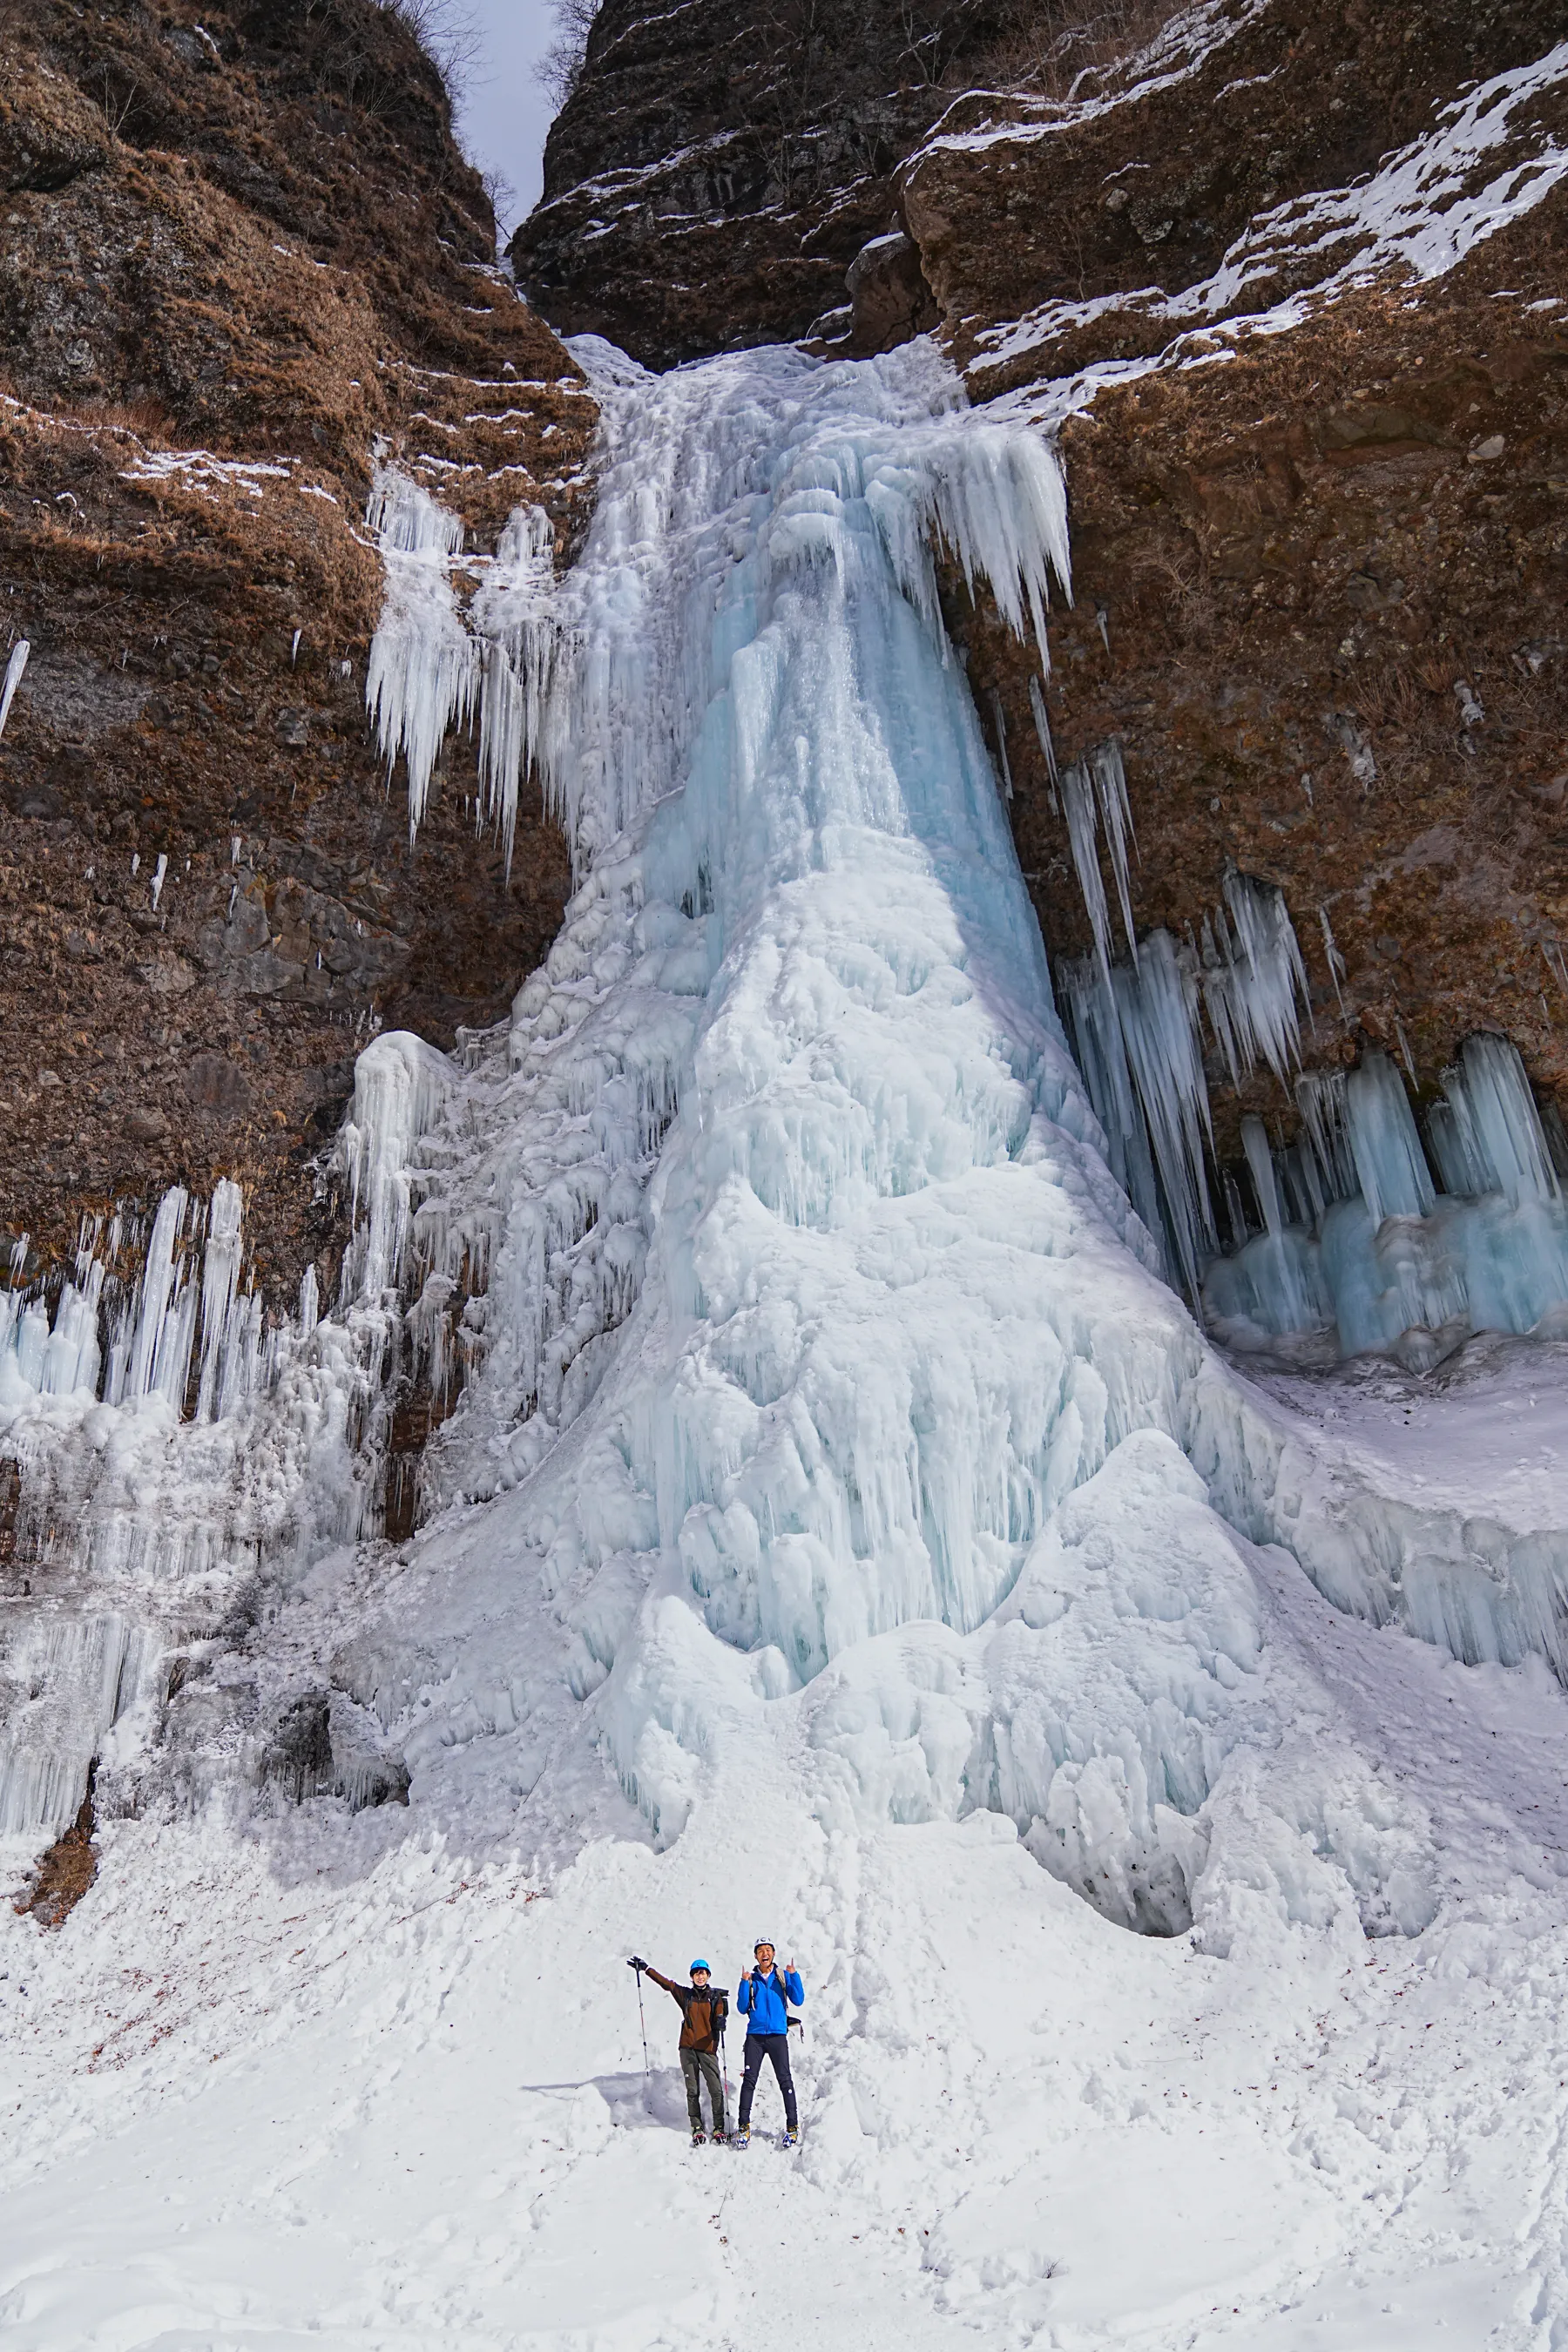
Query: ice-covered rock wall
x=170, y=1449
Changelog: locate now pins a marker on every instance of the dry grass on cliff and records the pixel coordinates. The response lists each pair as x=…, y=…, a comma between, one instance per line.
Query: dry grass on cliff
x=1052, y=46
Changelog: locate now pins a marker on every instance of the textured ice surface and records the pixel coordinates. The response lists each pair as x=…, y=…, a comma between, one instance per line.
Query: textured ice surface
x=813, y=1367
x=1369, y=1249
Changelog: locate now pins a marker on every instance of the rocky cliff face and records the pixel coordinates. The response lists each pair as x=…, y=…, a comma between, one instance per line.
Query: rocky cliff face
x=716, y=172
x=1290, y=282
x=241, y=254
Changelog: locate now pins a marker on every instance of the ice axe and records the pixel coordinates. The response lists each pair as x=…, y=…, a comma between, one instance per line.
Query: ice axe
x=638, y=1966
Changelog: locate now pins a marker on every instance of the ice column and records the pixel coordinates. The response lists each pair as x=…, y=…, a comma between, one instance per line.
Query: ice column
x=400, y=1084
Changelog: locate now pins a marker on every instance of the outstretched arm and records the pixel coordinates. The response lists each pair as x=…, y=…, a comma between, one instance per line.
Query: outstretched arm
x=665, y=1981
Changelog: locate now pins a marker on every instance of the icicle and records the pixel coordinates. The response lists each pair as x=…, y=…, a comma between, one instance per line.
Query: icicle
x=14, y=669
x=1266, y=983
x=220, y=1280
x=294, y=648
x=1094, y=794
x=1145, y=1022
x=1043, y=726
x=1395, y=1180
x=162, y=868
x=1078, y=800
x=157, y=1283
x=310, y=1302
x=514, y=612
x=1497, y=1141
x=1260, y=1158
x=400, y=1083
x=1324, y=1103
x=1406, y=1055
x=1116, y=818
x=1336, y=962
x=424, y=668
x=1001, y=718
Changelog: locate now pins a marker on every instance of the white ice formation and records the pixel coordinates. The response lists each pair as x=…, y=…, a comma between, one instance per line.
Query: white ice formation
x=16, y=662
x=1138, y=1029
x=169, y=1444
x=432, y=663
x=816, y=1394
x=819, y=1419
x=1374, y=1245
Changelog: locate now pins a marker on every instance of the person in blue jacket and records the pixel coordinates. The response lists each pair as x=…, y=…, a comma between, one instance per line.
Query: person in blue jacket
x=761, y=1999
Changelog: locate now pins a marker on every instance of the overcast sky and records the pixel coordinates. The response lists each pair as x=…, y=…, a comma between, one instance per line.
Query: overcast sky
x=505, y=114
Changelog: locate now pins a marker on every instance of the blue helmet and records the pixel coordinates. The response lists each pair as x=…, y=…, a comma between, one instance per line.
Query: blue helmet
x=699, y=1964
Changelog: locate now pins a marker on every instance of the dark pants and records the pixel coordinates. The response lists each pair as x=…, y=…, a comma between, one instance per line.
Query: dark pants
x=775, y=2046
x=701, y=2066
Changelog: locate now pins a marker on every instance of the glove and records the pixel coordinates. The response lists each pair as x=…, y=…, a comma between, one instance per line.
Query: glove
x=639, y=1965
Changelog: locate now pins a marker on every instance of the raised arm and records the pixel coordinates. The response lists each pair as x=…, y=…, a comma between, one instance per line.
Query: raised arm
x=743, y=1995
x=793, y=1988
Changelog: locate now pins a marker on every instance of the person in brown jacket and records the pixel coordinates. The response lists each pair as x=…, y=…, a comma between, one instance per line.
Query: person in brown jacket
x=703, y=2009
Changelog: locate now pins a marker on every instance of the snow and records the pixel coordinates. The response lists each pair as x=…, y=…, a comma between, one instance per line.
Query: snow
x=839, y=1529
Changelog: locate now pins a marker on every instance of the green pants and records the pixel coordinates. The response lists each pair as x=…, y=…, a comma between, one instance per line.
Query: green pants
x=701, y=2066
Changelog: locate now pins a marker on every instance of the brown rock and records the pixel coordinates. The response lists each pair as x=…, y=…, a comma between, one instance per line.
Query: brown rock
x=244, y=232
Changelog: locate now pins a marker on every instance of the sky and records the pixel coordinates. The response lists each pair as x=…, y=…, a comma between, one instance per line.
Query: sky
x=504, y=113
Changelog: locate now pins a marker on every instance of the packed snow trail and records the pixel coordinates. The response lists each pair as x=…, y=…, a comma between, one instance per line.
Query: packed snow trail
x=826, y=1542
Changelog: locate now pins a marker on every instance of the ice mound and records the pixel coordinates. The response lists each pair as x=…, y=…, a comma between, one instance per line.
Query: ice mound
x=820, y=1397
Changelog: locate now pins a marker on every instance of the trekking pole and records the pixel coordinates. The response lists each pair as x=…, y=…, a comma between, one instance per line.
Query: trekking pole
x=647, y=2071
x=724, y=2076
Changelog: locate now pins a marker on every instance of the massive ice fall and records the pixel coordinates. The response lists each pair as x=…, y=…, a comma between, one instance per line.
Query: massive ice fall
x=825, y=1393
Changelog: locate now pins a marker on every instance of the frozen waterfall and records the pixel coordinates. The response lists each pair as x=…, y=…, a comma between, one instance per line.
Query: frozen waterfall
x=805, y=1396
x=817, y=1384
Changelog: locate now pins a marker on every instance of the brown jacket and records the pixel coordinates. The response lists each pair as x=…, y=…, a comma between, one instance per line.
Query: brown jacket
x=702, y=2013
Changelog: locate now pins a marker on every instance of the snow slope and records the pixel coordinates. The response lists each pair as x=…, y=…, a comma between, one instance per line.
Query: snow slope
x=843, y=1535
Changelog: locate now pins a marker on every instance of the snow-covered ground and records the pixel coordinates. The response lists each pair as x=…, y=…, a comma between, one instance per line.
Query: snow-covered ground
x=844, y=1536
x=326, y=2087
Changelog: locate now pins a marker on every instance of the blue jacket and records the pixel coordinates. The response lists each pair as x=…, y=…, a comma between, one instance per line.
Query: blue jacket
x=760, y=2000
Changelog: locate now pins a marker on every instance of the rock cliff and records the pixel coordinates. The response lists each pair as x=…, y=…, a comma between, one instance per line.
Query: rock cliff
x=241, y=255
